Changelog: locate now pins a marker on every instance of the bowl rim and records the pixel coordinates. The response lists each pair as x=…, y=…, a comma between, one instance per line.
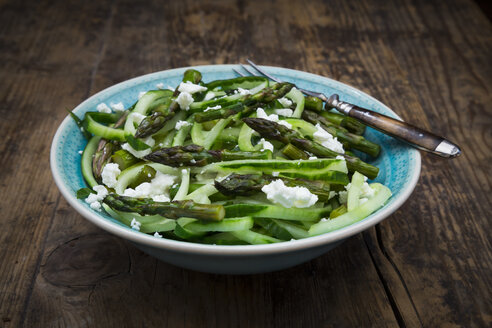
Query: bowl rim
x=227, y=250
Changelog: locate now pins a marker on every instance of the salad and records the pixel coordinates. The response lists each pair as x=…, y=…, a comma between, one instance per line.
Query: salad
x=230, y=162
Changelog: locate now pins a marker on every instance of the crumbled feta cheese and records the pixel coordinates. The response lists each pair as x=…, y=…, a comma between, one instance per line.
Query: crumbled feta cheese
x=312, y=157
x=149, y=175
x=365, y=178
x=285, y=102
x=340, y=157
x=211, y=108
x=81, y=152
x=94, y=199
x=109, y=174
x=192, y=161
x=260, y=113
x=243, y=92
x=327, y=140
x=81, y=129
x=275, y=174
x=347, y=187
x=209, y=95
x=331, y=194
x=190, y=88
x=136, y=117
x=160, y=198
x=323, y=220
x=96, y=206
x=159, y=186
x=342, y=197
x=184, y=100
x=141, y=94
x=103, y=108
x=181, y=124
x=119, y=107
x=160, y=85
x=277, y=192
x=287, y=112
x=367, y=191
x=265, y=145
x=135, y=224
x=139, y=153
x=170, y=88
x=157, y=235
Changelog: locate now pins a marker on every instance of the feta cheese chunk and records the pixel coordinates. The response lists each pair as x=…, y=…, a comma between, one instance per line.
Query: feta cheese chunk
x=158, y=235
x=342, y=197
x=265, y=145
x=118, y=107
x=260, y=113
x=139, y=153
x=340, y=157
x=287, y=112
x=94, y=200
x=103, y=108
x=327, y=140
x=141, y=94
x=109, y=174
x=278, y=193
x=184, y=100
x=285, y=102
x=180, y=124
x=160, y=86
x=243, y=92
x=367, y=191
x=190, y=88
x=157, y=187
x=136, y=117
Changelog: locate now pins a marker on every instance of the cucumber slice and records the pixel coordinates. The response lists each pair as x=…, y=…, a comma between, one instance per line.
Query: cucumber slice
x=86, y=161
x=276, y=212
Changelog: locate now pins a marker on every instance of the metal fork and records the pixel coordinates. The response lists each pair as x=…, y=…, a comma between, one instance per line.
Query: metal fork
x=411, y=134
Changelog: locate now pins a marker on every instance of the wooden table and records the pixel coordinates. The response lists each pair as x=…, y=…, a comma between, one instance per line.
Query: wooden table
x=429, y=264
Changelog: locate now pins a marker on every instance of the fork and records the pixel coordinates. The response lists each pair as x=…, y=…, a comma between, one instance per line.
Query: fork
x=406, y=132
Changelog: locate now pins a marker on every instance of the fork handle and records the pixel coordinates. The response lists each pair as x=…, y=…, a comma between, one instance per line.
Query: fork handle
x=417, y=137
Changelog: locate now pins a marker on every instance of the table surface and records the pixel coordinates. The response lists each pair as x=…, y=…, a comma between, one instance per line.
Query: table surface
x=429, y=264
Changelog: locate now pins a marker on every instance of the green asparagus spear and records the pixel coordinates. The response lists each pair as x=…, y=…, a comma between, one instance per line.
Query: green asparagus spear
x=248, y=184
x=194, y=155
x=353, y=140
x=247, y=103
x=170, y=210
x=272, y=130
x=347, y=122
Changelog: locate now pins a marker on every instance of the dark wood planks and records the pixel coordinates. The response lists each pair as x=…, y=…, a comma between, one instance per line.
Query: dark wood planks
x=429, y=264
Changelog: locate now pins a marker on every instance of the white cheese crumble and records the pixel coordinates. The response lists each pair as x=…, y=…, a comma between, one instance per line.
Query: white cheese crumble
x=243, y=92
x=300, y=197
x=275, y=174
x=118, y=107
x=367, y=191
x=285, y=102
x=160, y=85
x=136, y=117
x=190, y=88
x=141, y=94
x=324, y=220
x=211, y=108
x=135, y=224
x=94, y=200
x=209, y=95
x=327, y=140
x=184, y=100
x=340, y=157
x=109, y=174
x=170, y=88
x=157, y=187
x=312, y=157
x=139, y=153
x=265, y=145
x=287, y=112
x=180, y=124
x=103, y=108
x=158, y=235
x=81, y=152
x=260, y=113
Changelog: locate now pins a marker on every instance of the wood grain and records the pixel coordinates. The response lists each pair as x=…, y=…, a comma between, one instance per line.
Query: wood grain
x=429, y=264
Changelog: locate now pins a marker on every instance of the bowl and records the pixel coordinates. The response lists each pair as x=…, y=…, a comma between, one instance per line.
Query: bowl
x=399, y=170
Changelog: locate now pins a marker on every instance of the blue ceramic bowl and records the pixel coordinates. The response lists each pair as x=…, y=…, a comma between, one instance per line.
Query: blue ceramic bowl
x=399, y=170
